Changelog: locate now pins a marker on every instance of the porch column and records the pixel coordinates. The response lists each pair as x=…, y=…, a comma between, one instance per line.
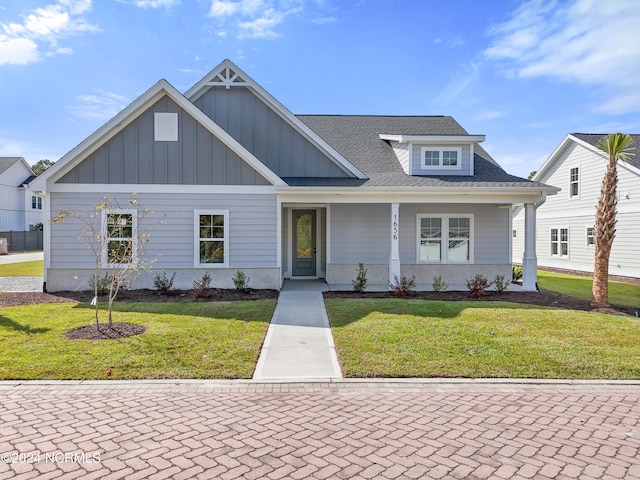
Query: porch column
x=529, y=259
x=394, y=259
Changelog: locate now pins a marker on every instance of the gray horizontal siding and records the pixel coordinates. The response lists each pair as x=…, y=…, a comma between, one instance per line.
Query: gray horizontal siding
x=265, y=134
x=416, y=161
x=132, y=156
x=490, y=233
x=360, y=233
x=252, y=228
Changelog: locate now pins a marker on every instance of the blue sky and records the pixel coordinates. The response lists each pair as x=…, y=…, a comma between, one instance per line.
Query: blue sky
x=523, y=73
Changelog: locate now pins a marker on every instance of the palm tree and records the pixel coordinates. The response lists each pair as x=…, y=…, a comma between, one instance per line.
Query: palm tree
x=617, y=145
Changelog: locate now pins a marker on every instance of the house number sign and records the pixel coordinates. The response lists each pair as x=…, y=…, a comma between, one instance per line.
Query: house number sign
x=394, y=227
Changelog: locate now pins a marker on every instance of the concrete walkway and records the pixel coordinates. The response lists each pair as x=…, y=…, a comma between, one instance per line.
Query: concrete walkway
x=21, y=257
x=298, y=344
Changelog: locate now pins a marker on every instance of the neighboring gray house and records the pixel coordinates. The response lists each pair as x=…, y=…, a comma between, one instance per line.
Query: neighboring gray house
x=565, y=221
x=242, y=183
x=20, y=209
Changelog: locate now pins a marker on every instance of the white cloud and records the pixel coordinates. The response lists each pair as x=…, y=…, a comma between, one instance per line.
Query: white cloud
x=460, y=80
x=99, y=105
x=41, y=30
x=582, y=41
x=19, y=51
x=255, y=19
x=325, y=21
x=154, y=3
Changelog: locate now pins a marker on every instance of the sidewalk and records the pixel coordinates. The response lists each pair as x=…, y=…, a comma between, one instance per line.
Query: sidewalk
x=21, y=257
x=298, y=343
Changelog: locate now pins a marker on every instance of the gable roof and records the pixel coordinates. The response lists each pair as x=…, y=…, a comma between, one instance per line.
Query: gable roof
x=228, y=75
x=130, y=113
x=594, y=138
x=356, y=137
x=588, y=141
x=7, y=162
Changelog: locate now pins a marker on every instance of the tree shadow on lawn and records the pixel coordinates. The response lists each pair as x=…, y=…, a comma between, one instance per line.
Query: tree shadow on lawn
x=12, y=325
x=241, y=311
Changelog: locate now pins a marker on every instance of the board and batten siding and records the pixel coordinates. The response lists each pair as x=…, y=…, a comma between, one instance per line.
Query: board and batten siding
x=578, y=213
x=133, y=156
x=265, y=134
x=252, y=228
x=416, y=160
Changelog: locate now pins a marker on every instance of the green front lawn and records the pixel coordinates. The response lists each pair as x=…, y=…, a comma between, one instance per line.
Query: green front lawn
x=418, y=338
x=22, y=269
x=183, y=340
x=580, y=287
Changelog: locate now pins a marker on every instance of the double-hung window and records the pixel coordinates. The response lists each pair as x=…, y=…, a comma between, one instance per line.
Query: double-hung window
x=560, y=242
x=445, y=238
x=211, y=236
x=120, y=236
x=36, y=202
x=441, y=157
x=590, y=238
x=574, y=182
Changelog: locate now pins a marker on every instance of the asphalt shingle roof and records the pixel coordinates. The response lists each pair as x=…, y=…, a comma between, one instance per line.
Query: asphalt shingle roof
x=594, y=138
x=6, y=162
x=356, y=138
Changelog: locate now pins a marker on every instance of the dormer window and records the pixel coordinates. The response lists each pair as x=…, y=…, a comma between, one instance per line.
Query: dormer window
x=441, y=157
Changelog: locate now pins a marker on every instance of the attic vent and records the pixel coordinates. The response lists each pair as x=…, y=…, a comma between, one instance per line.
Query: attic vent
x=227, y=77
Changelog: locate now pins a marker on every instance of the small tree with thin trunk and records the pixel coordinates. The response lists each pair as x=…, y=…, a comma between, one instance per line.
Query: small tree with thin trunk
x=114, y=237
x=618, y=147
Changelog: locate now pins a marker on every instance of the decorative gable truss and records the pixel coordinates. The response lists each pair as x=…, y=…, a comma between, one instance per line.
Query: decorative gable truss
x=434, y=154
x=229, y=76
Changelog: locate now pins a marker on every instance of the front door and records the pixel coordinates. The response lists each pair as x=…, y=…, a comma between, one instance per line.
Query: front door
x=304, y=243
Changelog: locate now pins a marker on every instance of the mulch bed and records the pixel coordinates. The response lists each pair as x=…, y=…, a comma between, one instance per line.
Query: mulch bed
x=117, y=330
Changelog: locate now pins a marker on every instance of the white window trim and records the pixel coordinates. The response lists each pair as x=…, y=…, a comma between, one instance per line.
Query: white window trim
x=575, y=197
x=104, y=254
x=196, y=238
x=560, y=242
x=586, y=236
x=165, y=126
x=514, y=233
x=444, y=239
x=440, y=150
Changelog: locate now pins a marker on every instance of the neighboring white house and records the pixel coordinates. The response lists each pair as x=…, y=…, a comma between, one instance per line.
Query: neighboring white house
x=240, y=182
x=20, y=209
x=565, y=221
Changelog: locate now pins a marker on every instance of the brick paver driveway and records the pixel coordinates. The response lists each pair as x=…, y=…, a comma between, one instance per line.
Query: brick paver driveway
x=343, y=429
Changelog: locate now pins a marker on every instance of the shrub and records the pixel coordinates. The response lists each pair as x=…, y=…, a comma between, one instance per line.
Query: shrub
x=241, y=281
x=162, y=283
x=438, y=284
x=478, y=285
x=403, y=286
x=360, y=283
x=201, y=287
x=516, y=273
x=500, y=283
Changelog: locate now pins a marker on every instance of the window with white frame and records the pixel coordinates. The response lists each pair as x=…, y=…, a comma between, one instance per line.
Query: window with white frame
x=590, y=237
x=211, y=238
x=560, y=242
x=120, y=235
x=444, y=238
x=36, y=202
x=574, y=182
x=514, y=233
x=441, y=157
